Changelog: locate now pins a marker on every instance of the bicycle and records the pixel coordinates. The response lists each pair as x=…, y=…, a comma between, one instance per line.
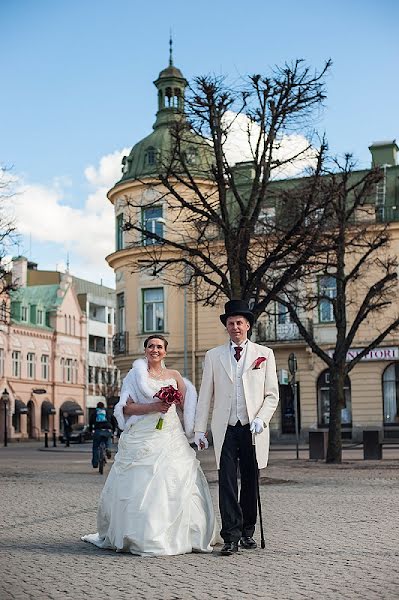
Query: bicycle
x=103, y=454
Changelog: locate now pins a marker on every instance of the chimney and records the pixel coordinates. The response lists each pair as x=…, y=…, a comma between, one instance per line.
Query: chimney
x=384, y=153
x=19, y=271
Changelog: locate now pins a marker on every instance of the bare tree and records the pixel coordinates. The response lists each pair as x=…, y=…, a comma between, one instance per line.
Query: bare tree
x=223, y=229
x=7, y=229
x=354, y=281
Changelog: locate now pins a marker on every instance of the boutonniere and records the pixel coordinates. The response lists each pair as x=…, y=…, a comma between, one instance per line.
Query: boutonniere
x=258, y=362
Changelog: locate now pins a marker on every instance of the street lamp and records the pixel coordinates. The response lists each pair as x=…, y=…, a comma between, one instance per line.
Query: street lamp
x=293, y=367
x=5, y=398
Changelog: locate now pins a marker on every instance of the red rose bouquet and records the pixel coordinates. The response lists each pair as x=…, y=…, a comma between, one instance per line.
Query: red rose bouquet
x=169, y=395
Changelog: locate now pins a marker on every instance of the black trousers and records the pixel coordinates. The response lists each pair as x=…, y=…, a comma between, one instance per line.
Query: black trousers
x=238, y=512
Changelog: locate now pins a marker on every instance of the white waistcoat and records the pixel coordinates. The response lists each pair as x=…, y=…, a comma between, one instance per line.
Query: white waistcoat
x=238, y=411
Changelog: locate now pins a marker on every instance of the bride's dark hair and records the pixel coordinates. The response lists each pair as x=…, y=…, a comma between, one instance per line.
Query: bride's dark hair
x=156, y=337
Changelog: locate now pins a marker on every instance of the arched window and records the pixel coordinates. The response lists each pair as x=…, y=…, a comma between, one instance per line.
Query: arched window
x=390, y=387
x=323, y=401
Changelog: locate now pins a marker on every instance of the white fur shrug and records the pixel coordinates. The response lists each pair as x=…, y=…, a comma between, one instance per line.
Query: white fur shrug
x=135, y=385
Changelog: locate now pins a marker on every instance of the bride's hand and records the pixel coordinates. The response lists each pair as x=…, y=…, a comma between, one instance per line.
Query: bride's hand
x=161, y=407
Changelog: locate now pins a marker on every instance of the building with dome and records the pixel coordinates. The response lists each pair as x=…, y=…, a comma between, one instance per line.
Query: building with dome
x=146, y=304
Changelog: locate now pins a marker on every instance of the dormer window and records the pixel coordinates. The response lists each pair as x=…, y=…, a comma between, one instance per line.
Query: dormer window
x=24, y=313
x=191, y=155
x=39, y=317
x=150, y=156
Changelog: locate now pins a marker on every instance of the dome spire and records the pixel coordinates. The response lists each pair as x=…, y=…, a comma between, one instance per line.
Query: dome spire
x=170, y=49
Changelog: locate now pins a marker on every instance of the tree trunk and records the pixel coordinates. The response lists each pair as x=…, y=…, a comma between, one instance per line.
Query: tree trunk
x=337, y=401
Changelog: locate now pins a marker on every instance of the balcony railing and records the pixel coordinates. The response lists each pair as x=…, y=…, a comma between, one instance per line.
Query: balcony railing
x=120, y=343
x=271, y=331
x=385, y=214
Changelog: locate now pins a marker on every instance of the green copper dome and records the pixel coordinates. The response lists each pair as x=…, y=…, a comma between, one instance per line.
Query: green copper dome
x=148, y=157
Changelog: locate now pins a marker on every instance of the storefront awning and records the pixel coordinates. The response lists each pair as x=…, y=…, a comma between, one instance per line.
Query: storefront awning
x=71, y=408
x=20, y=407
x=48, y=408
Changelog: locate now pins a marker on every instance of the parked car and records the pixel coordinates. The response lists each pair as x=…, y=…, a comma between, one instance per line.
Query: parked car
x=80, y=433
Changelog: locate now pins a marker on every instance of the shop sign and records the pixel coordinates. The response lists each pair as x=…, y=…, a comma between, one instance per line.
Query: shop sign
x=283, y=377
x=388, y=353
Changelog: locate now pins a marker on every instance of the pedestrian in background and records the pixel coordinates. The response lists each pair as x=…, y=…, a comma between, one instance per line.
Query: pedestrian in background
x=67, y=428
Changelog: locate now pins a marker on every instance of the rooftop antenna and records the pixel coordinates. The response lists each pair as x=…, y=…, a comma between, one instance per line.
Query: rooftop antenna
x=67, y=263
x=170, y=48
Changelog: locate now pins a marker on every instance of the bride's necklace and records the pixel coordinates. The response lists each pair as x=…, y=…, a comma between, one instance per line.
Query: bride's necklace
x=156, y=375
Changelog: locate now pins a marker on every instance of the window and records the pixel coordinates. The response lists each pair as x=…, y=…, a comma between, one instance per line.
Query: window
x=1, y=362
x=97, y=344
x=119, y=231
x=150, y=156
x=191, y=156
x=153, y=310
x=323, y=398
x=152, y=221
x=16, y=363
x=31, y=365
x=75, y=372
x=39, y=317
x=45, y=366
x=97, y=313
x=328, y=289
x=120, y=314
x=390, y=383
x=24, y=313
x=68, y=370
x=283, y=316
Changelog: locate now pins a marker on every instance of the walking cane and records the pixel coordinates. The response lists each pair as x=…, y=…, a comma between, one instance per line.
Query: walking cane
x=262, y=537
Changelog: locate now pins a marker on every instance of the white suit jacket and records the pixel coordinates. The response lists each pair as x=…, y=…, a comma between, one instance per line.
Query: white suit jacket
x=260, y=392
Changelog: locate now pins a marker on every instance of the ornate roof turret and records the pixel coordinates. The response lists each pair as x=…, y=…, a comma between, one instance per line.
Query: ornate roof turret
x=147, y=155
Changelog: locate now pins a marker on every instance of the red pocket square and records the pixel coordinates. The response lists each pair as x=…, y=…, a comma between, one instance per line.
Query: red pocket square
x=258, y=362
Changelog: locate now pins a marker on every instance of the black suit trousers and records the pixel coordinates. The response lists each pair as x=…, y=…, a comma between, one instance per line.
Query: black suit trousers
x=238, y=511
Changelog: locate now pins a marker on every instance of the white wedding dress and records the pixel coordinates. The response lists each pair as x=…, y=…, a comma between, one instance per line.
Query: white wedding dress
x=156, y=500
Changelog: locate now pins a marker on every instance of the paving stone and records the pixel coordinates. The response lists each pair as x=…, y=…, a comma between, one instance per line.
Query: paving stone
x=331, y=533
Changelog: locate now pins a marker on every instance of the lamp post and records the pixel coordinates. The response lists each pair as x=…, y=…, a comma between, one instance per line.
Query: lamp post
x=5, y=398
x=293, y=367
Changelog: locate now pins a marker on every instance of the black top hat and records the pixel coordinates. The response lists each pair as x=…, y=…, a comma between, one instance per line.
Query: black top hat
x=237, y=307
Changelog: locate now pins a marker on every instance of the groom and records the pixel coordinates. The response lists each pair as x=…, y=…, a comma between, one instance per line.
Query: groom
x=240, y=383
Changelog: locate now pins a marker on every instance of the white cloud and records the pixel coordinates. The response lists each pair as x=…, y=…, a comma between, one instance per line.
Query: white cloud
x=87, y=232
x=241, y=142
x=108, y=171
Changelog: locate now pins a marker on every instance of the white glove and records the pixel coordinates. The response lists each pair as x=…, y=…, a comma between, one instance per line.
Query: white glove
x=200, y=440
x=257, y=425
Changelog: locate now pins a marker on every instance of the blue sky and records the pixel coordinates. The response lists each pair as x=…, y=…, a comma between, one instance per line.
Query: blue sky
x=77, y=90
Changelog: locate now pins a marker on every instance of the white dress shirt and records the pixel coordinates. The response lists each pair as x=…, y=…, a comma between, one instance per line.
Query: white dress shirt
x=238, y=411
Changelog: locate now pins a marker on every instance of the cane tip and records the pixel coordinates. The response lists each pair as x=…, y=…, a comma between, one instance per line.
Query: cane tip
x=262, y=544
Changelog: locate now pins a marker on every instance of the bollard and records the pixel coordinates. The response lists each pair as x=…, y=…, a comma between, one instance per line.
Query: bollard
x=46, y=439
x=372, y=446
x=54, y=439
x=318, y=445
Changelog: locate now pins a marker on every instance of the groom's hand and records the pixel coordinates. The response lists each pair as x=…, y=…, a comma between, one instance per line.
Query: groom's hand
x=257, y=425
x=200, y=440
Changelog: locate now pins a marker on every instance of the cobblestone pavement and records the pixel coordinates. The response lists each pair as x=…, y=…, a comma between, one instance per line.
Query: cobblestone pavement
x=332, y=533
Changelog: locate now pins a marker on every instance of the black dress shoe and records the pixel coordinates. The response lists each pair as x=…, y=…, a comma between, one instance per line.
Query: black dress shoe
x=229, y=548
x=248, y=543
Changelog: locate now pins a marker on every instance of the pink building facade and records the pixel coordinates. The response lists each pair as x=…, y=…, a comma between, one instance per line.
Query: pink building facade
x=42, y=358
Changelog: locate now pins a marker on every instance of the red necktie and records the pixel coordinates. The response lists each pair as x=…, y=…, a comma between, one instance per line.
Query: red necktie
x=237, y=350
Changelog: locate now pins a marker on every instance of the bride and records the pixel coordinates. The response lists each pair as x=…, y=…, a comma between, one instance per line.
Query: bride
x=156, y=500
